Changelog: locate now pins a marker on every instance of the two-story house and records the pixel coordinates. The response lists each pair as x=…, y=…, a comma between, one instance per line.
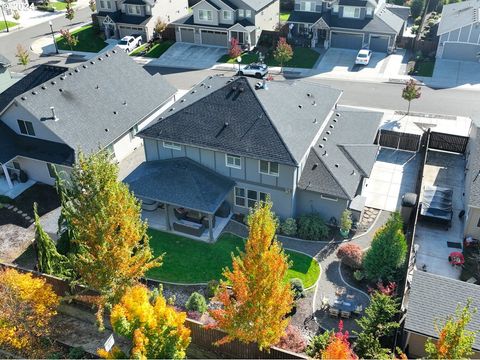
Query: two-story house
x=53, y=112
x=230, y=142
x=215, y=22
x=119, y=18
x=351, y=24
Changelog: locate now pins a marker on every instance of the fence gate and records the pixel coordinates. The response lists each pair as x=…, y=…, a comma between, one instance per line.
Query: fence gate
x=398, y=140
x=447, y=142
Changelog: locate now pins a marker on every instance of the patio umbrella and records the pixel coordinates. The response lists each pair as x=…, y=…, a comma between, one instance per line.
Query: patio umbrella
x=456, y=258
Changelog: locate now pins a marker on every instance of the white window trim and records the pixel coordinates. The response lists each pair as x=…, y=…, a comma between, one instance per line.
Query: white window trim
x=172, y=145
x=250, y=14
x=335, y=8
x=241, y=13
x=227, y=164
x=329, y=198
x=369, y=11
x=354, y=8
x=311, y=5
x=246, y=198
x=269, y=173
x=26, y=128
x=229, y=13
x=208, y=13
x=243, y=197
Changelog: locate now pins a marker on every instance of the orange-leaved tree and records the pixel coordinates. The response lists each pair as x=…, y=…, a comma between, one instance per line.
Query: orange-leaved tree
x=254, y=308
x=156, y=330
x=27, y=305
x=339, y=347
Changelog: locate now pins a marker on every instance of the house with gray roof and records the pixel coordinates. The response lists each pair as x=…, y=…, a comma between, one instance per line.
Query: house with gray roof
x=119, y=18
x=472, y=182
x=216, y=22
x=431, y=300
x=6, y=78
x=351, y=24
x=459, y=31
x=53, y=112
x=285, y=140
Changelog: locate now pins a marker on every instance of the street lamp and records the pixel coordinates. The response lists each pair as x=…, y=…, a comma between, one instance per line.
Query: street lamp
x=239, y=60
x=53, y=36
x=4, y=19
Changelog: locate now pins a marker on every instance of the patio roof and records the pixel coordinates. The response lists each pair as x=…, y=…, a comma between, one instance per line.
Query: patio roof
x=180, y=182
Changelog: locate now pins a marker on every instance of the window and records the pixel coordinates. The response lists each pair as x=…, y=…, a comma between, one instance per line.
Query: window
x=233, y=161
x=307, y=6
x=240, y=196
x=205, y=15
x=16, y=165
x=248, y=198
x=26, y=127
x=227, y=15
x=51, y=170
x=335, y=8
x=248, y=13
x=172, y=145
x=327, y=197
x=109, y=5
x=351, y=12
x=102, y=4
x=241, y=13
x=239, y=35
x=369, y=11
x=133, y=131
x=268, y=168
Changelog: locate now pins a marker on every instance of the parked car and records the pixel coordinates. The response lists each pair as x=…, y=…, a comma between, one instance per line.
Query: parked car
x=255, y=69
x=129, y=43
x=363, y=57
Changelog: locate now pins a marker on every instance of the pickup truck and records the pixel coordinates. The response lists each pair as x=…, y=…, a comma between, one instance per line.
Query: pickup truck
x=129, y=43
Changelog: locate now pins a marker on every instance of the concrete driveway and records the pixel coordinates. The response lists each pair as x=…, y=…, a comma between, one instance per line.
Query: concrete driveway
x=190, y=56
x=451, y=73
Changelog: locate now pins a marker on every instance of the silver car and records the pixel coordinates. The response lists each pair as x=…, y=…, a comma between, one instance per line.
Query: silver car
x=255, y=69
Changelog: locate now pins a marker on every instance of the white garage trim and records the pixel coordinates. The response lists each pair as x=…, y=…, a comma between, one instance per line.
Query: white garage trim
x=213, y=31
x=381, y=36
x=185, y=28
x=346, y=32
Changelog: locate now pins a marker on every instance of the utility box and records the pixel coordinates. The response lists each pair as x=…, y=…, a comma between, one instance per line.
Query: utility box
x=409, y=201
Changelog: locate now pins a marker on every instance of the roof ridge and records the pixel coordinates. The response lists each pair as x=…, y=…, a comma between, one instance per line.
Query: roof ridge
x=384, y=7
x=350, y=157
x=328, y=170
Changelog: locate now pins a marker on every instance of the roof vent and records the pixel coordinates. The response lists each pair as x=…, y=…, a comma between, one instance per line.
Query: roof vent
x=100, y=59
x=315, y=120
x=300, y=106
x=337, y=114
x=54, y=115
x=183, y=100
x=62, y=77
x=53, y=82
x=321, y=146
x=115, y=112
x=23, y=98
x=44, y=87
x=314, y=166
x=314, y=103
x=225, y=124
x=92, y=62
x=325, y=153
x=309, y=94
x=328, y=132
x=353, y=172
x=61, y=90
x=210, y=77
x=114, y=51
x=202, y=84
x=70, y=73
x=336, y=165
x=97, y=87
x=106, y=130
x=76, y=70
x=107, y=55
x=334, y=120
x=332, y=126
x=85, y=66
x=34, y=92
x=209, y=86
x=194, y=91
x=124, y=102
x=172, y=109
x=324, y=139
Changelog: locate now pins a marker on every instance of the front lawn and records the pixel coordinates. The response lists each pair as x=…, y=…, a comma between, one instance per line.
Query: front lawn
x=247, y=58
x=58, y=5
x=9, y=23
x=88, y=40
x=191, y=261
x=424, y=68
x=284, y=16
x=155, y=51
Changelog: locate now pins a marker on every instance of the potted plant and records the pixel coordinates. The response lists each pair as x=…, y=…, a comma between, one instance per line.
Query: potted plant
x=346, y=223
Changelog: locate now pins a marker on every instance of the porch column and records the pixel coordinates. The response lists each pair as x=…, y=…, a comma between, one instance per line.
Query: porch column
x=7, y=176
x=210, y=227
x=167, y=216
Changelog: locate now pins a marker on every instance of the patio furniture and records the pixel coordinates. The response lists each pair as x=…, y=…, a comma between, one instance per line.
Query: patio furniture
x=437, y=204
x=224, y=210
x=358, y=309
x=149, y=205
x=206, y=223
x=188, y=227
x=180, y=213
x=333, y=312
x=350, y=297
x=340, y=291
x=345, y=314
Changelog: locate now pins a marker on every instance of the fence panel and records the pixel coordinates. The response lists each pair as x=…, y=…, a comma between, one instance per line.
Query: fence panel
x=398, y=140
x=448, y=142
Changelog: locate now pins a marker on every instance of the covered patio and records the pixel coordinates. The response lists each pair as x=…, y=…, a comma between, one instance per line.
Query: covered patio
x=181, y=196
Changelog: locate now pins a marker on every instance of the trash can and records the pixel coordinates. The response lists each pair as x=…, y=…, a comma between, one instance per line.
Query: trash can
x=409, y=200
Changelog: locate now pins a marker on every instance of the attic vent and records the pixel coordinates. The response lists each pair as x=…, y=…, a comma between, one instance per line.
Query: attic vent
x=334, y=120
x=24, y=98
x=300, y=106
x=44, y=87
x=92, y=62
x=202, y=84
x=336, y=165
x=331, y=126
x=321, y=146
x=70, y=73
x=53, y=82
x=315, y=120
x=100, y=59
x=314, y=166
x=85, y=66
x=115, y=112
x=34, y=92
x=106, y=130
x=353, y=172
x=328, y=132
x=62, y=77
x=324, y=139
x=172, y=109
x=183, y=100
x=209, y=86
x=76, y=70
x=210, y=77
x=97, y=87
x=314, y=103
x=124, y=102
x=107, y=55
x=194, y=91
x=325, y=153
x=337, y=114
x=114, y=51
x=61, y=90
x=309, y=94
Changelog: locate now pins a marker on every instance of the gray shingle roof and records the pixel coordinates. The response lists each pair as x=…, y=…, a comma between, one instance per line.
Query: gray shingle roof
x=459, y=14
x=180, y=182
x=433, y=298
x=403, y=12
x=189, y=20
x=474, y=165
x=99, y=101
x=120, y=17
x=278, y=124
x=4, y=61
x=343, y=155
x=304, y=17
x=258, y=4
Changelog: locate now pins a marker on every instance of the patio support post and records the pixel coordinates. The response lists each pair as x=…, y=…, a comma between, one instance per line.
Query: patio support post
x=7, y=176
x=167, y=216
x=210, y=227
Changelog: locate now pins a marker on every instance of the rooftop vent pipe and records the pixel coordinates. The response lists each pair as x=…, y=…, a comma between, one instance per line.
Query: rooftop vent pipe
x=54, y=115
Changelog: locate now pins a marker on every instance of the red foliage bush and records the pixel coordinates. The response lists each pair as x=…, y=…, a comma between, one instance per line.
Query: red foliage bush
x=351, y=255
x=292, y=340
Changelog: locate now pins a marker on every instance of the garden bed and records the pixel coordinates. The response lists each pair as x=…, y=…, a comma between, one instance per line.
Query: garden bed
x=89, y=40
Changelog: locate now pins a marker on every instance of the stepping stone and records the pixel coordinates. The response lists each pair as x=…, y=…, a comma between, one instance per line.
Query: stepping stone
x=15, y=209
x=28, y=217
x=9, y=207
x=24, y=215
x=19, y=211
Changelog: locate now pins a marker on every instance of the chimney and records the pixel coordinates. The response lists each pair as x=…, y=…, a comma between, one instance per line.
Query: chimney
x=54, y=116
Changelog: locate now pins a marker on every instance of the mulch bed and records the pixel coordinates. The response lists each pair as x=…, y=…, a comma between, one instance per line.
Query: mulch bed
x=303, y=318
x=9, y=217
x=45, y=196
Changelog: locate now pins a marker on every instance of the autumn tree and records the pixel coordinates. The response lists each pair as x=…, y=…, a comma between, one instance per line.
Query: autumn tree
x=69, y=38
x=26, y=308
x=23, y=56
x=254, y=294
x=235, y=50
x=156, y=330
x=454, y=340
x=411, y=92
x=159, y=27
x=102, y=220
x=283, y=53
x=92, y=4
x=338, y=347
x=70, y=12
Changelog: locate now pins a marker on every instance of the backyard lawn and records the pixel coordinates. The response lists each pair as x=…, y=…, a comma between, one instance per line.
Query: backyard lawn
x=156, y=51
x=191, y=261
x=88, y=40
x=9, y=23
x=284, y=16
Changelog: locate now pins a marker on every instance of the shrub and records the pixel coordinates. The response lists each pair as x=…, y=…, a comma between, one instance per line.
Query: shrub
x=212, y=288
x=196, y=302
x=358, y=275
x=346, y=220
x=319, y=343
x=351, y=255
x=292, y=340
x=297, y=288
x=312, y=227
x=289, y=227
x=76, y=353
x=416, y=8
x=418, y=20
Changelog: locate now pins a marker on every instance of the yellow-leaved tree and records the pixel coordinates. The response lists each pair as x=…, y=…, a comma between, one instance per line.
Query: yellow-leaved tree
x=27, y=305
x=255, y=306
x=156, y=330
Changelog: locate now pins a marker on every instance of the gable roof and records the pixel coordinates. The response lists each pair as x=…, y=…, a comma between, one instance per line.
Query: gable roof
x=230, y=115
x=433, y=298
x=343, y=155
x=4, y=61
x=459, y=14
x=258, y=4
x=120, y=17
x=403, y=12
x=95, y=103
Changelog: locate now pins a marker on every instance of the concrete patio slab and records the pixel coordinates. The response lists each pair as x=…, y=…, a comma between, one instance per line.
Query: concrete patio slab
x=190, y=56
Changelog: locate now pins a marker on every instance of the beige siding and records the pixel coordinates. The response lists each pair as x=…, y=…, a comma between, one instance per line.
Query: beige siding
x=267, y=18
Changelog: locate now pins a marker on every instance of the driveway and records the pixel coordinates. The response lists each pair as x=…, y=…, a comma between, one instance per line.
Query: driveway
x=190, y=56
x=451, y=73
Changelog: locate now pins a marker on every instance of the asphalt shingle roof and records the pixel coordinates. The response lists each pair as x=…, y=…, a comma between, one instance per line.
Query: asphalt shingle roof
x=457, y=15
x=4, y=61
x=180, y=182
x=433, y=298
x=258, y=4
x=278, y=124
x=99, y=101
x=120, y=17
x=188, y=20
x=304, y=17
x=403, y=12
x=343, y=155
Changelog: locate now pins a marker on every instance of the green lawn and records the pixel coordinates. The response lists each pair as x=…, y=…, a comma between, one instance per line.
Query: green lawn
x=88, y=40
x=302, y=58
x=9, y=23
x=190, y=261
x=424, y=68
x=284, y=16
x=58, y=5
x=156, y=51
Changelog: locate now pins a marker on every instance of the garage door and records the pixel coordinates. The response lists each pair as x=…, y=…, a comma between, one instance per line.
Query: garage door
x=463, y=52
x=379, y=43
x=187, y=35
x=217, y=38
x=347, y=41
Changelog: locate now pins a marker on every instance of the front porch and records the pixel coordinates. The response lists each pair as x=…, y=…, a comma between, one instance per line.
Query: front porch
x=11, y=183
x=308, y=30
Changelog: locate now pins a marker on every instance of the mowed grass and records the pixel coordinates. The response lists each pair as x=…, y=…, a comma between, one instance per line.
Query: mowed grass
x=156, y=50
x=88, y=40
x=284, y=16
x=9, y=23
x=58, y=5
x=424, y=68
x=190, y=261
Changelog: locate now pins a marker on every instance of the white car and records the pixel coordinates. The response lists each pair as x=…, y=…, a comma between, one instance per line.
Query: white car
x=129, y=43
x=257, y=70
x=363, y=57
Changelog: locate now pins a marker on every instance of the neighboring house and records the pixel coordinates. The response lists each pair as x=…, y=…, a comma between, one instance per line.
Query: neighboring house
x=472, y=183
x=287, y=142
x=216, y=22
x=351, y=24
x=459, y=31
x=433, y=298
x=53, y=112
x=118, y=18
x=6, y=79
